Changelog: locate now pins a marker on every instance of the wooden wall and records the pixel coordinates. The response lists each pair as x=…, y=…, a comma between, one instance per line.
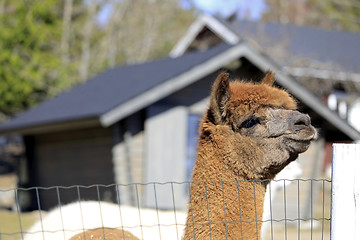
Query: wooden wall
x=77, y=157
x=128, y=157
x=166, y=133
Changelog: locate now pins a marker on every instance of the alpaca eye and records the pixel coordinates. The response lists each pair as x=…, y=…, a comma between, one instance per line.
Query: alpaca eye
x=249, y=123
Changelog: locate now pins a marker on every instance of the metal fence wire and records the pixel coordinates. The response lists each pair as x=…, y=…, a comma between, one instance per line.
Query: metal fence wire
x=293, y=209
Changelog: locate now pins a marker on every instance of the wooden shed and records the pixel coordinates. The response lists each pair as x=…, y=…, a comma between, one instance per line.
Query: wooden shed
x=137, y=124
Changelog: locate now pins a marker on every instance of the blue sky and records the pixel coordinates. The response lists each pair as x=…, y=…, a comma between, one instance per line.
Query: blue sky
x=251, y=9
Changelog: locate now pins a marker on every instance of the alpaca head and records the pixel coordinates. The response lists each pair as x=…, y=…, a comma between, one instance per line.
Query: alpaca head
x=260, y=123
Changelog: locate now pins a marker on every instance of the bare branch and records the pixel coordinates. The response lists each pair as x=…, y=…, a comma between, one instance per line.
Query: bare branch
x=65, y=37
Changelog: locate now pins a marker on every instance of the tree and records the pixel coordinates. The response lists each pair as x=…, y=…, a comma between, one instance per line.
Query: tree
x=328, y=14
x=140, y=30
x=49, y=46
x=336, y=14
x=28, y=37
x=65, y=36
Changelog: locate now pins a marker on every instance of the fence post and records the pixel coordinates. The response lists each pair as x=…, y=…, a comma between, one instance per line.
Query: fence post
x=345, y=192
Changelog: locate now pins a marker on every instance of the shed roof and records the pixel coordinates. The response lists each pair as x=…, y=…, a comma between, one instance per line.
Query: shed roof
x=119, y=92
x=331, y=47
x=106, y=91
x=334, y=47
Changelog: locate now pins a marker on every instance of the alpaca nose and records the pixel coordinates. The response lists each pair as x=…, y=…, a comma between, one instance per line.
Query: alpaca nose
x=301, y=119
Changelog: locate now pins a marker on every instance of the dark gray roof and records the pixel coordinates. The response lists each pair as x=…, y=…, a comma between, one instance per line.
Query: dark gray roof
x=338, y=47
x=289, y=45
x=108, y=90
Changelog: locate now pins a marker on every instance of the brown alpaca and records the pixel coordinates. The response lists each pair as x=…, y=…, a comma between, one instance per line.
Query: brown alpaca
x=104, y=234
x=249, y=133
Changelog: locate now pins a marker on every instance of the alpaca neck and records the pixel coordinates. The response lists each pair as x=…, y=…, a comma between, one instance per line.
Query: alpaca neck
x=222, y=203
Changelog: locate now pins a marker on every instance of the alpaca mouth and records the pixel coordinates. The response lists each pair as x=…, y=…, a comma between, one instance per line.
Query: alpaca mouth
x=302, y=139
x=299, y=141
x=299, y=144
x=305, y=135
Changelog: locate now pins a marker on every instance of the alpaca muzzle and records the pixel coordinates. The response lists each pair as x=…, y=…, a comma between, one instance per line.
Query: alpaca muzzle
x=301, y=128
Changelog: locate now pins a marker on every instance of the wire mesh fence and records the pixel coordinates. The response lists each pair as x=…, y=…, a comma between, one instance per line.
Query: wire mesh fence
x=292, y=209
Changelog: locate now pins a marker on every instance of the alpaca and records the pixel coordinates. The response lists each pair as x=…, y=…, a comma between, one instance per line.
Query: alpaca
x=104, y=233
x=65, y=221
x=249, y=133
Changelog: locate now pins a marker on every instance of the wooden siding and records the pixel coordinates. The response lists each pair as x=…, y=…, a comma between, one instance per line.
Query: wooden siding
x=166, y=134
x=128, y=157
x=79, y=157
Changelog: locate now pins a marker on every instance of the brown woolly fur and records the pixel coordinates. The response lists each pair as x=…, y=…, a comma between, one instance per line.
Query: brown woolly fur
x=253, y=96
x=249, y=133
x=104, y=234
x=269, y=78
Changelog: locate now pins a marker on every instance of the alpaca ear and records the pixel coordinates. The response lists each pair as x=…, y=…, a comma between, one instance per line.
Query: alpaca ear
x=269, y=78
x=219, y=98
